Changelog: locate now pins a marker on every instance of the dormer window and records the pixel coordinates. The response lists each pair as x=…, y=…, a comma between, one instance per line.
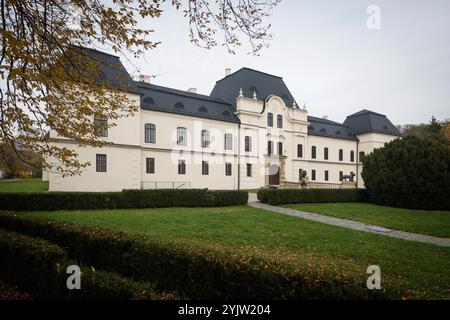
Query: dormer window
x=179, y=105
x=149, y=101
x=226, y=113
x=203, y=109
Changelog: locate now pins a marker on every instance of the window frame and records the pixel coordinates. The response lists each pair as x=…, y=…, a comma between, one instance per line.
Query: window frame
x=270, y=119
x=150, y=133
x=205, y=168
x=279, y=121
x=248, y=144
x=228, y=143
x=228, y=169
x=99, y=157
x=299, y=150
x=181, y=166
x=150, y=165
x=101, y=126
x=313, y=175
x=325, y=153
x=181, y=136
x=313, y=152
x=341, y=154
x=249, y=169
x=205, y=138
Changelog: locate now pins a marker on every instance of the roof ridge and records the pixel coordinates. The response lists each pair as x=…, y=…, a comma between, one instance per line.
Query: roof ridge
x=322, y=120
x=180, y=92
x=247, y=68
x=98, y=51
x=365, y=111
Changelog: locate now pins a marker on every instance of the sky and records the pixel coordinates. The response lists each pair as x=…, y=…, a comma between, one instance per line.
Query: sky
x=328, y=57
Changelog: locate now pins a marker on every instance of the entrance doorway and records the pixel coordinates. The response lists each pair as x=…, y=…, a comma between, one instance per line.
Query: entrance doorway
x=274, y=175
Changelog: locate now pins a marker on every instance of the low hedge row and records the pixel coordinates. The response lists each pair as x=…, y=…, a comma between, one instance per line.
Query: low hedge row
x=199, y=273
x=39, y=267
x=289, y=196
x=125, y=199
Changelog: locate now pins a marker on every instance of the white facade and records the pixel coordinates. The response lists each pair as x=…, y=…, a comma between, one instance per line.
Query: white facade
x=246, y=163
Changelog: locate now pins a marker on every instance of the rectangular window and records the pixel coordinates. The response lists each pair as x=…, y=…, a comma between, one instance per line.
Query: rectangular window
x=249, y=169
x=181, y=136
x=352, y=156
x=150, y=165
x=269, y=147
x=313, y=175
x=100, y=162
x=325, y=153
x=341, y=155
x=101, y=126
x=205, y=168
x=150, y=133
x=181, y=166
x=361, y=156
x=248, y=144
x=280, y=148
x=228, y=141
x=326, y=175
x=340, y=175
x=205, y=139
x=299, y=151
x=279, y=121
x=227, y=169
x=313, y=152
x=270, y=119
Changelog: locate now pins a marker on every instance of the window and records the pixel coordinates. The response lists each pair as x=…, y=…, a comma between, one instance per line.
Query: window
x=352, y=156
x=341, y=154
x=205, y=168
x=326, y=175
x=181, y=136
x=249, y=169
x=340, y=175
x=270, y=119
x=181, y=166
x=228, y=141
x=100, y=162
x=269, y=147
x=313, y=152
x=150, y=133
x=279, y=121
x=313, y=175
x=248, y=144
x=325, y=153
x=361, y=156
x=205, y=139
x=150, y=165
x=280, y=148
x=101, y=126
x=299, y=151
x=227, y=168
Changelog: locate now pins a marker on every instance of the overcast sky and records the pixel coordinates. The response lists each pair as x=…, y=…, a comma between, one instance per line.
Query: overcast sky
x=328, y=57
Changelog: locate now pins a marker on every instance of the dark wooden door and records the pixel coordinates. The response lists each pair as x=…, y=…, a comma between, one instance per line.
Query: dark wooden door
x=274, y=175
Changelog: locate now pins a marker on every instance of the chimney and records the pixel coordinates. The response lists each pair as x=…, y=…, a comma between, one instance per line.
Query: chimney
x=192, y=89
x=144, y=78
x=227, y=72
x=325, y=117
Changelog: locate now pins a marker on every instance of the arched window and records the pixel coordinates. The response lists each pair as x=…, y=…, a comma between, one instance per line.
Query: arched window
x=181, y=136
x=279, y=121
x=149, y=101
x=179, y=105
x=150, y=133
x=270, y=119
x=205, y=139
x=203, y=109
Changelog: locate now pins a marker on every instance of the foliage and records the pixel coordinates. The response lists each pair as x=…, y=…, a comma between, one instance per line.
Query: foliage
x=49, y=82
x=287, y=196
x=39, y=267
x=438, y=131
x=125, y=199
x=411, y=173
x=200, y=273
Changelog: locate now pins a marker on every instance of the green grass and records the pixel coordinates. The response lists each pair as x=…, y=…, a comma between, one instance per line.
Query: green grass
x=434, y=223
x=23, y=185
x=420, y=269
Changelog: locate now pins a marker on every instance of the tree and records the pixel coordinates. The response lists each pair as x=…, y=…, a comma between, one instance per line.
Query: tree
x=434, y=130
x=412, y=172
x=48, y=81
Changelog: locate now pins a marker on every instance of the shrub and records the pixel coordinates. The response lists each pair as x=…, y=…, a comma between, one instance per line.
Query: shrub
x=125, y=199
x=39, y=267
x=289, y=196
x=199, y=273
x=411, y=173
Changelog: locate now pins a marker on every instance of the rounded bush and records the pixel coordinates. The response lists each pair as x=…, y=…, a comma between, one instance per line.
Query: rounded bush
x=411, y=173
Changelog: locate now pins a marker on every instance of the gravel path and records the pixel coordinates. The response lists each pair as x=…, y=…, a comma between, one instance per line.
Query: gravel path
x=350, y=224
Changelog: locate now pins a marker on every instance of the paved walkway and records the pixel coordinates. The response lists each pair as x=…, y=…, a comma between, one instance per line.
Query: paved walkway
x=350, y=224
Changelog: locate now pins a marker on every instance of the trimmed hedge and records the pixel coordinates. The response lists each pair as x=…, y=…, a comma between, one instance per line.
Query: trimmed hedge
x=290, y=196
x=39, y=266
x=199, y=273
x=156, y=198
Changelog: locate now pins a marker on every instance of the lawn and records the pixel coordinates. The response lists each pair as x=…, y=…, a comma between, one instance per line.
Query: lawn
x=434, y=223
x=24, y=185
x=421, y=270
